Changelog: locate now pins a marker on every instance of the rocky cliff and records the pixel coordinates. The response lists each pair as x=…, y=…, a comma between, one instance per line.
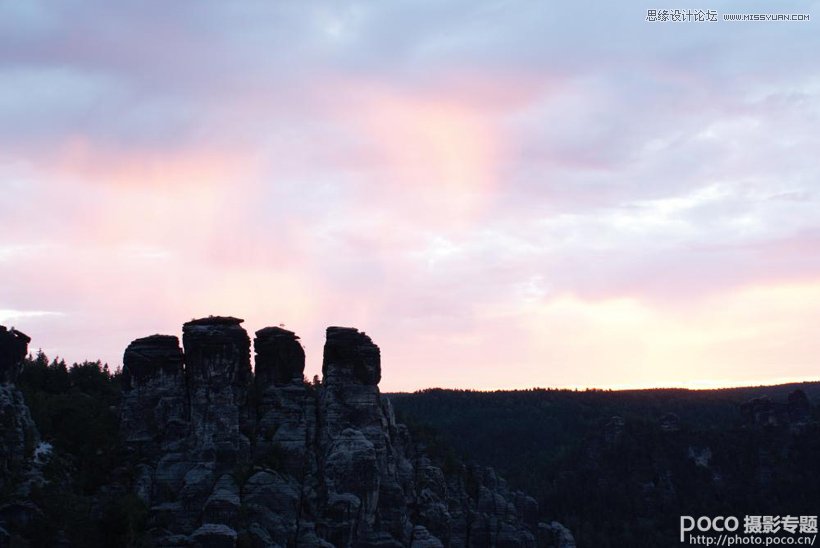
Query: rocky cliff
x=18, y=435
x=227, y=457
x=20, y=448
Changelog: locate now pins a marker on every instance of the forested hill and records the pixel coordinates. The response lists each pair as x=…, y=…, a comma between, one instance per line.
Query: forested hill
x=620, y=467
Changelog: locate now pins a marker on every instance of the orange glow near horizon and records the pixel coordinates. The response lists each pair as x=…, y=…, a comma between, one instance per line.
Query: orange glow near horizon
x=573, y=343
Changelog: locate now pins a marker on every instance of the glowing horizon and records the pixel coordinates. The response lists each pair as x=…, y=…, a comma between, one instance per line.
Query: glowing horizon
x=500, y=195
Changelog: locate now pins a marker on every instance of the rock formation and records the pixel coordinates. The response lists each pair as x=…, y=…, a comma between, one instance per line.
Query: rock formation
x=763, y=411
x=18, y=434
x=19, y=438
x=226, y=457
x=798, y=407
x=13, y=349
x=154, y=390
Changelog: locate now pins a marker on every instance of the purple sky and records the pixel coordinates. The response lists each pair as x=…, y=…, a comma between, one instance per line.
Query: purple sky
x=502, y=194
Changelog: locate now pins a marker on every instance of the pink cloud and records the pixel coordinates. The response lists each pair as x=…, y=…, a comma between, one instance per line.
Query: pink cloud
x=495, y=197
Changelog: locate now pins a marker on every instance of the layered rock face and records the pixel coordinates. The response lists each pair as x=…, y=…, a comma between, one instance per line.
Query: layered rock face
x=283, y=410
x=218, y=373
x=227, y=457
x=359, y=463
x=18, y=433
x=154, y=392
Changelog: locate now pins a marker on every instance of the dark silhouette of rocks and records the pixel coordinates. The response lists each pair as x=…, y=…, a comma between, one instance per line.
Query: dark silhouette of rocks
x=763, y=411
x=280, y=358
x=152, y=358
x=760, y=411
x=285, y=416
x=798, y=407
x=218, y=374
x=19, y=438
x=351, y=356
x=223, y=456
x=154, y=392
x=13, y=349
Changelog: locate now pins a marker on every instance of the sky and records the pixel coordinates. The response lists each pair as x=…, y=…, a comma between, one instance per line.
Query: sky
x=502, y=194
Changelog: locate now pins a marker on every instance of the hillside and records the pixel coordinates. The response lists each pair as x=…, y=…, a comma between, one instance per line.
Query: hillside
x=620, y=467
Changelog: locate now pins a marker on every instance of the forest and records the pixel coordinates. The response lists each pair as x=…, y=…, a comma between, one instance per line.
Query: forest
x=620, y=467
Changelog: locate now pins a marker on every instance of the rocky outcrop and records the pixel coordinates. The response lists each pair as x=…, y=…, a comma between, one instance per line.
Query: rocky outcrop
x=280, y=358
x=760, y=411
x=763, y=411
x=18, y=434
x=21, y=453
x=154, y=393
x=283, y=410
x=226, y=457
x=13, y=349
x=218, y=373
x=798, y=407
x=354, y=433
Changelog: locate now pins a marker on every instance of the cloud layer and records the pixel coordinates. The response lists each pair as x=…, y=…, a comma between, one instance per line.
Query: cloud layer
x=503, y=194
